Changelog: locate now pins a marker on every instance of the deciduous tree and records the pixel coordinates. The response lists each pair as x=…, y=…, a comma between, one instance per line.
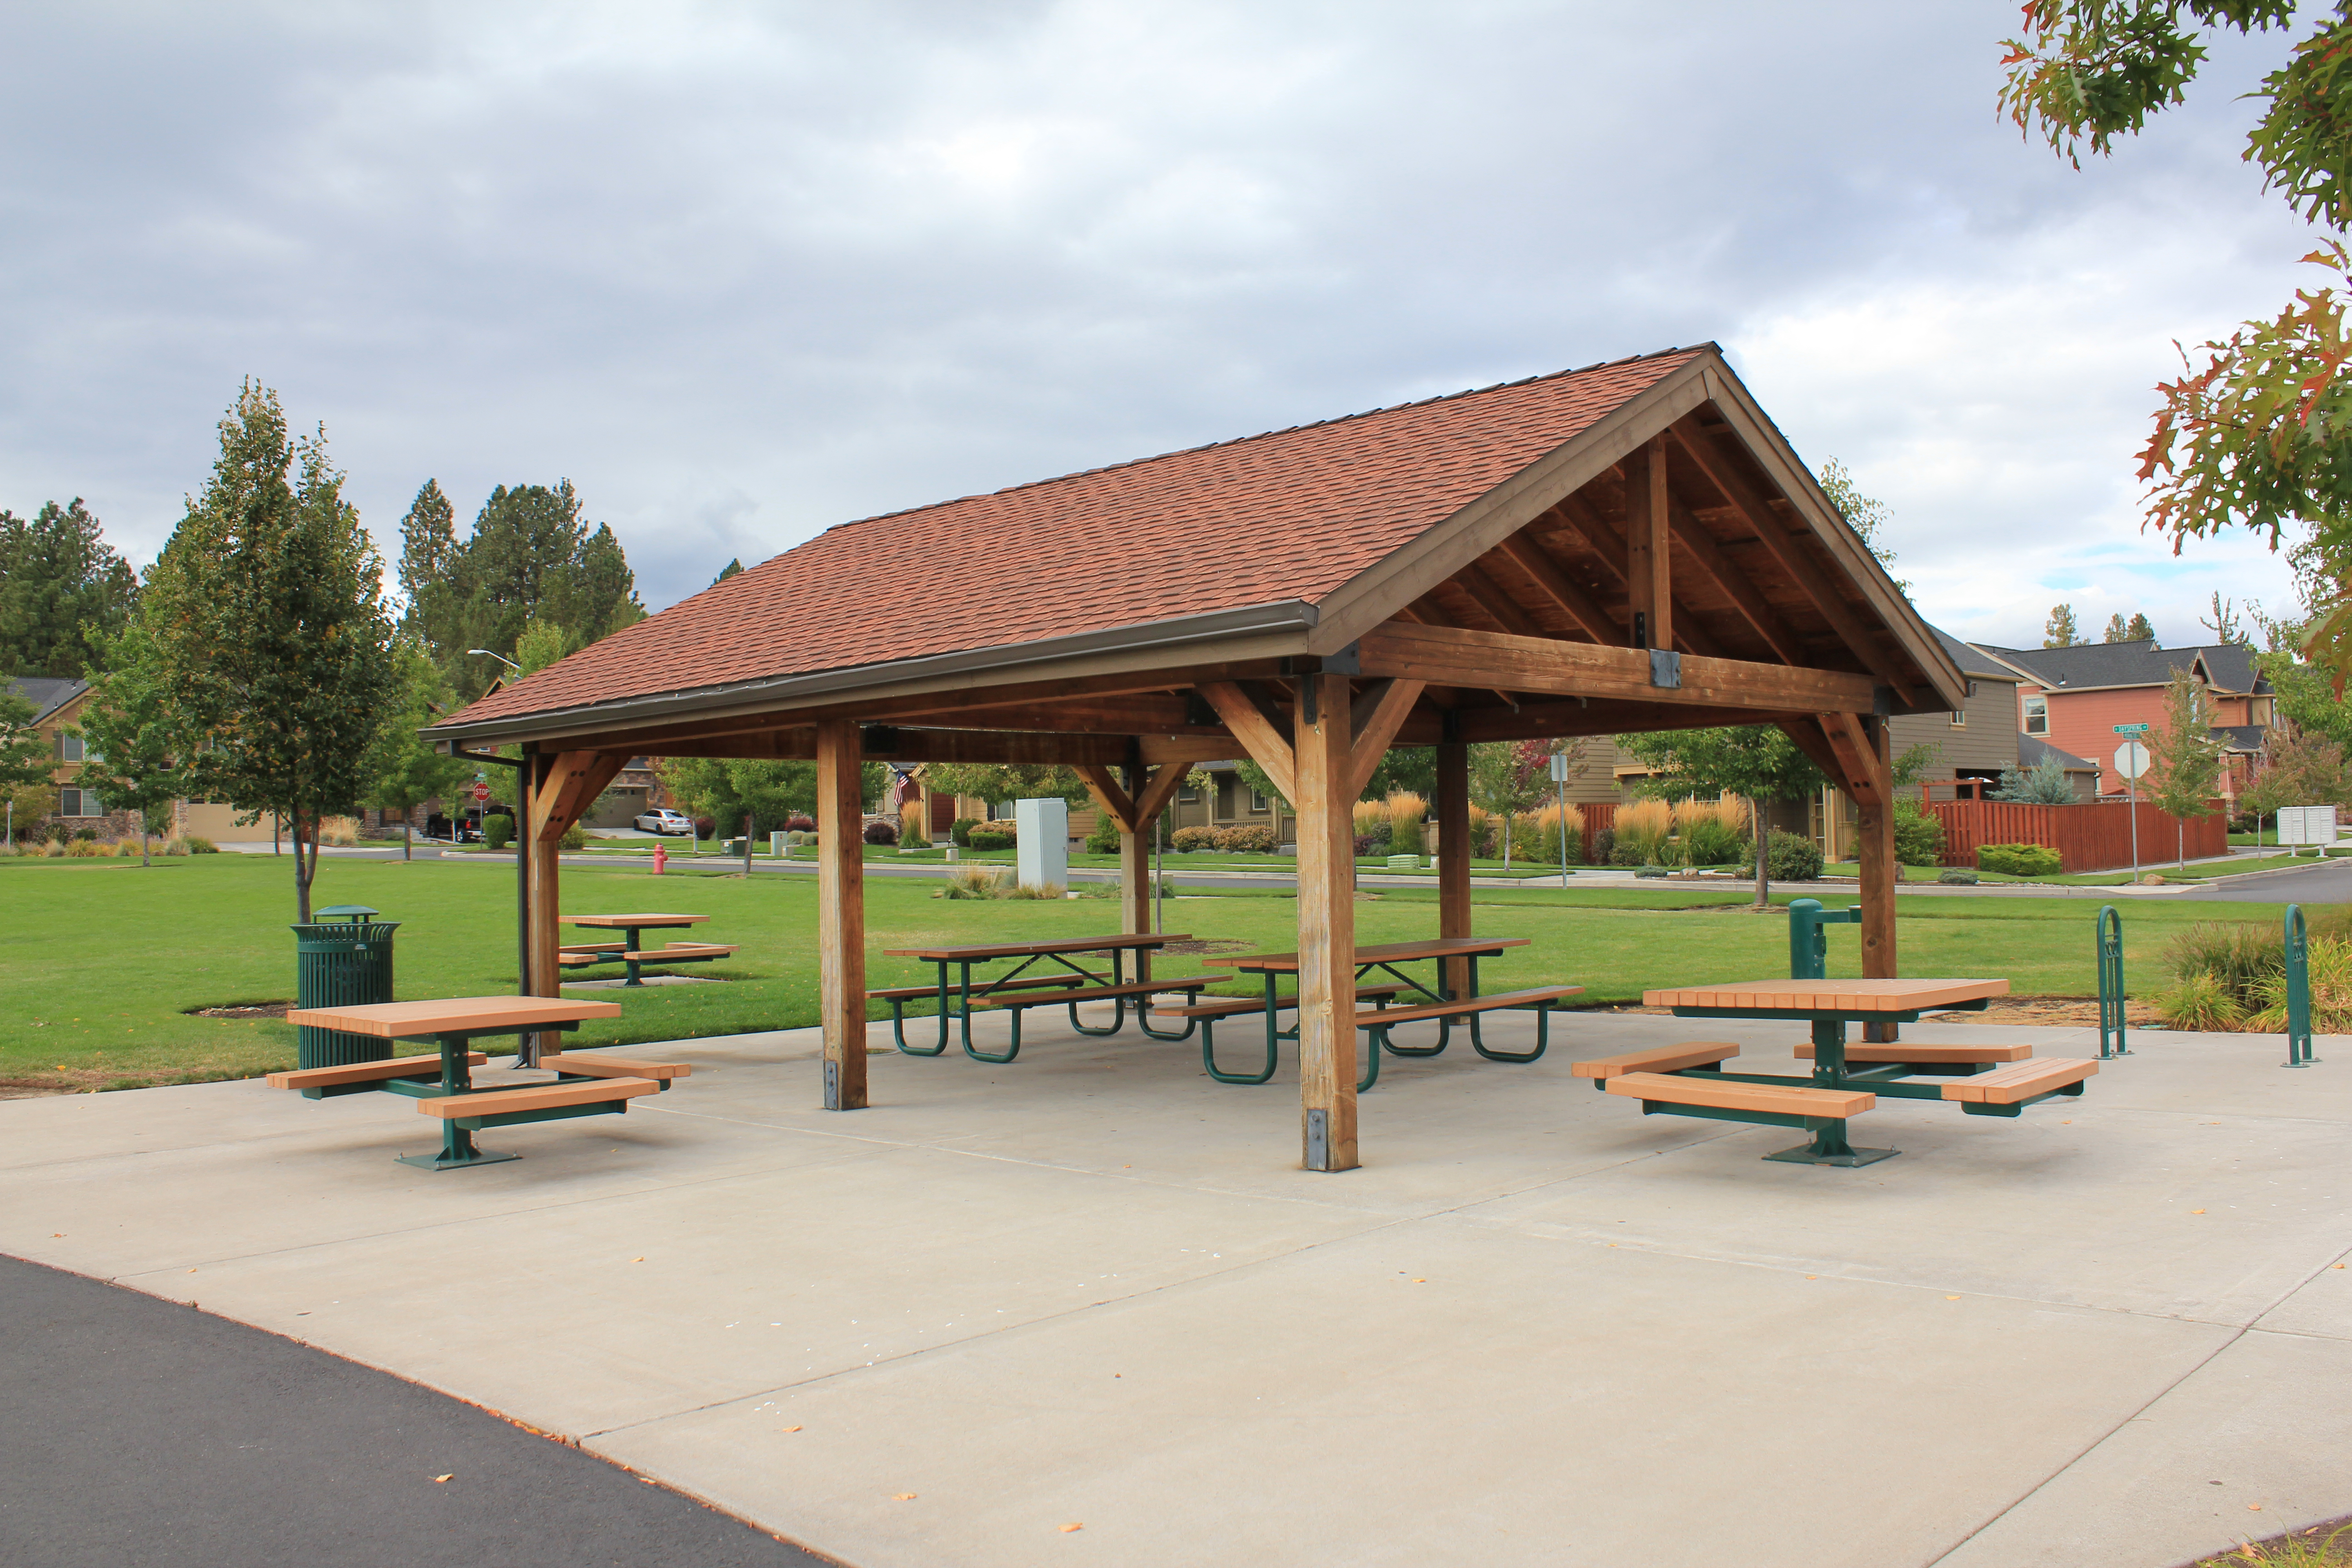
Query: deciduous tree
x=1757, y=760
x=403, y=770
x=269, y=623
x=131, y=735
x=2184, y=758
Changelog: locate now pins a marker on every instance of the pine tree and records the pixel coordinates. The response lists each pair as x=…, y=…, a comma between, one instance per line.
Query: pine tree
x=734, y=568
x=266, y=613
x=2140, y=631
x=2117, y=630
x=2059, y=631
x=63, y=591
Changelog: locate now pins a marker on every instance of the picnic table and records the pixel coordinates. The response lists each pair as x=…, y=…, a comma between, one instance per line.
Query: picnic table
x=443, y=1085
x=631, y=951
x=1441, y=1006
x=1688, y=1079
x=1068, y=984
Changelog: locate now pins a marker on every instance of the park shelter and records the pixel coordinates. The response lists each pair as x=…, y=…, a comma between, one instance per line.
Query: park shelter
x=1632, y=546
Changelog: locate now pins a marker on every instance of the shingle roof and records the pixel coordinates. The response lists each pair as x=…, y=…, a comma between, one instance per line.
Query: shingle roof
x=2032, y=749
x=1970, y=659
x=2245, y=738
x=46, y=693
x=1292, y=515
x=2138, y=663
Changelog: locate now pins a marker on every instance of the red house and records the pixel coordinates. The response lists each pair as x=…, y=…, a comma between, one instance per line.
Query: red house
x=2073, y=698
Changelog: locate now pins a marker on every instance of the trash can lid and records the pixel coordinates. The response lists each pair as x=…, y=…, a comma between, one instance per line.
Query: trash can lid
x=346, y=912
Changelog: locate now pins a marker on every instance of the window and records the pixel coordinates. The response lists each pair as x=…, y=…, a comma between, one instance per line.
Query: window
x=2037, y=715
x=70, y=747
x=1257, y=800
x=1960, y=717
x=1188, y=797
x=78, y=803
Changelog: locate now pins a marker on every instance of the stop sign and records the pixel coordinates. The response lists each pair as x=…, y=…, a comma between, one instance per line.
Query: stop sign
x=481, y=792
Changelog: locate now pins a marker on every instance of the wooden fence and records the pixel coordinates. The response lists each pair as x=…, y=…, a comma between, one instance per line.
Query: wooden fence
x=2087, y=837
x=1599, y=815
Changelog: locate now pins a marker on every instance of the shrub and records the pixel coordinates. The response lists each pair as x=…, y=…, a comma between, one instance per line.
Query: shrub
x=914, y=833
x=201, y=845
x=799, y=822
x=993, y=836
x=1192, y=840
x=2018, y=859
x=497, y=831
x=1363, y=845
x=1033, y=890
x=1651, y=871
x=1104, y=840
x=1919, y=835
x=1712, y=831
x=85, y=836
x=1958, y=877
x=58, y=832
x=1794, y=858
x=2330, y=973
x=960, y=831
x=174, y=846
x=1604, y=845
x=1643, y=828
x=704, y=826
x=972, y=882
x=1257, y=840
x=1369, y=812
x=53, y=850
x=575, y=838
x=2200, y=1002
x=89, y=849
x=881, y=833
x=1406, y=811
x=342, y=832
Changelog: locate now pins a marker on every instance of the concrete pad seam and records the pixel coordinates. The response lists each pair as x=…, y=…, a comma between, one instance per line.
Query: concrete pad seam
x=2089, y=1448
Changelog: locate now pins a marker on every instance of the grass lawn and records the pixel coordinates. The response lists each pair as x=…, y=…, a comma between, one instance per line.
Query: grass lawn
x=118, y=955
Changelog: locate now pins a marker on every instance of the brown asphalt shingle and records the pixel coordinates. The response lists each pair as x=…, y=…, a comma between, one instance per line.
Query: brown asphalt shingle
x=1293, y=514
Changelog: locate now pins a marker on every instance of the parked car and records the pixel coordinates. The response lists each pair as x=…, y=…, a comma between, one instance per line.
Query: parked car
x=665, y=821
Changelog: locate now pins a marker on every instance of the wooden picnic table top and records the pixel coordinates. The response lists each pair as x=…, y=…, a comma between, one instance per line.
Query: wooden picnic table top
x=1034, y=948
x=1765, y=997
x=621, y=923
x=1386, y=952
x=451, y=1015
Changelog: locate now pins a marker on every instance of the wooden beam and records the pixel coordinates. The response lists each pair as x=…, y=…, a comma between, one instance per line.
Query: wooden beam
x=1858, y=751
x=1545, y=720
x=1453, y=856
x=841, y=911
x=1811, y=739
x=1785, y=548
x=1263, y=742
x=1110, y=795
x=1611, y=548
x=1327, y=930
x=1579, y=605
x=1198, y=747
x=1374, y=720
x=1489, y=596
x=1463, y=658
x=1158, y=791
x=574, y=780
x=1734, y=585
x=1002, y=746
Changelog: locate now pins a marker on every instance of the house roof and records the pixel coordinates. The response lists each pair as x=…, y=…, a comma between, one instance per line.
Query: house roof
x=46, y=693
x=2032, y=749
x=2247, y=738
x=2092, y=666
x=1293, y=542
x=1972, y=661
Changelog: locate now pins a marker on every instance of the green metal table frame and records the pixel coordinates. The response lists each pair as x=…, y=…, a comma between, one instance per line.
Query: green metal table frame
x=1828, y=1145
x=1275, y=1034
x=955, y=1000
x=633, y=967
x=458, y=1147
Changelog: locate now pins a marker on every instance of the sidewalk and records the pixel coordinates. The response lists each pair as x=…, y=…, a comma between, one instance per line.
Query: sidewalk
x=1092, y=1288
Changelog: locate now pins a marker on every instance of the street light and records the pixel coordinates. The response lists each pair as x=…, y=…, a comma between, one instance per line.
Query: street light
x=499, y=657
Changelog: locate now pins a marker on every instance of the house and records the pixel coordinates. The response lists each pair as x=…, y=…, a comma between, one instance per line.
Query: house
x=58, y=703
x=2083, y=773
x=2074, y=698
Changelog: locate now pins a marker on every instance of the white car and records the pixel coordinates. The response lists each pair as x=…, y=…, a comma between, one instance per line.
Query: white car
x=665, y=821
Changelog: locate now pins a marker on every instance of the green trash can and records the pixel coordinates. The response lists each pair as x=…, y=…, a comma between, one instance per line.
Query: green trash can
x=342, y=965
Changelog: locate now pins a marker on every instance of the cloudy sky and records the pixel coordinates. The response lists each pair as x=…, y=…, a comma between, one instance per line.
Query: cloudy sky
x=742, y=271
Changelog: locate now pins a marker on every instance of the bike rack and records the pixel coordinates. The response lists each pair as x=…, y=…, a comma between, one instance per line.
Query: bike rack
x=2111, y=984
x=2298, y=990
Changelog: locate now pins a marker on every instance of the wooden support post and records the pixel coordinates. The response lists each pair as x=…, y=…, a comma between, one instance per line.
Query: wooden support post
x=1874, y=847
x=1641, y=575
x=841, y=911
x=543, y=906
x=1453, y=856
x=1655, y=526
x=1326, y=926
x=1135, y=889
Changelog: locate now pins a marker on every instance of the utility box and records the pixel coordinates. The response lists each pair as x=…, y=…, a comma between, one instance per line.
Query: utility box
x=341, y=964
x=1042, y=859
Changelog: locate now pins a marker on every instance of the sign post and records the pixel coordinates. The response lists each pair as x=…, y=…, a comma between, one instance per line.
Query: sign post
x=1560, y=783
x=2131, y=760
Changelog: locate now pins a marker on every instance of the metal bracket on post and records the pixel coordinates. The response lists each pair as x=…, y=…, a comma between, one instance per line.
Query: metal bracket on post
x=1666, y=669
x=832, y=1085
x=1318, y=1140
x=1349, y=660
x=1306, y=685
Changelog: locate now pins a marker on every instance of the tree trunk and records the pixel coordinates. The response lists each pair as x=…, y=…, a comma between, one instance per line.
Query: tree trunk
x=303, y=872
x=1762, y=838
x=143, y=861
x=747, y=845
x=407, y=850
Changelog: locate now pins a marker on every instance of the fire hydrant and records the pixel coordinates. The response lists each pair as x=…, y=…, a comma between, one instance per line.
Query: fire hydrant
x=661, y=859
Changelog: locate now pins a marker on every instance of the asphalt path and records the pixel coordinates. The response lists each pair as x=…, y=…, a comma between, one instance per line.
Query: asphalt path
x=140, y=1434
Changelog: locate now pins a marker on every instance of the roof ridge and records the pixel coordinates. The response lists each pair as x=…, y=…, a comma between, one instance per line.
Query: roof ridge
x=1281, y=430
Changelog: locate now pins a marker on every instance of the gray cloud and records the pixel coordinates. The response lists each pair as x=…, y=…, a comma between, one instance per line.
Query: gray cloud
x=742, y=271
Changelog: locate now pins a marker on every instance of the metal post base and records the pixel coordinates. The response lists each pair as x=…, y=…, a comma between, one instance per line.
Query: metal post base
x=1846, y=1155
x=454, y=1163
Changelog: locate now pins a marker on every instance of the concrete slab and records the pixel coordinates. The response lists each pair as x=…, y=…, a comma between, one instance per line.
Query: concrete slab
x=1093, y=1286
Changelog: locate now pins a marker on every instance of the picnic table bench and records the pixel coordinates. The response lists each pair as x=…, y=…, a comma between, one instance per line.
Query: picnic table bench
x=1690, y=1079
x=631, y=952
x=1442, y=1007
x=443, y=1085
x=1014, y=991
